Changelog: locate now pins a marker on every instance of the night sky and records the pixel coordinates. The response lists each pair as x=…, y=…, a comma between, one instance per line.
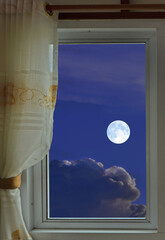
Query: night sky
x=89, y=175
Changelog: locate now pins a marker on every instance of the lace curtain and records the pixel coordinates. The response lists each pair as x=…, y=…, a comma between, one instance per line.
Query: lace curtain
x=28, y=86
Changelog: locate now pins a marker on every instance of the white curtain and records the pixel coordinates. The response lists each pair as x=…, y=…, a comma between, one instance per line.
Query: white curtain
x=28, y=85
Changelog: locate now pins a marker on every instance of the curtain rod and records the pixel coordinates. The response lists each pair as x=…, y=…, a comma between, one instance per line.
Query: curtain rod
x=106, y=7
x=124, y=14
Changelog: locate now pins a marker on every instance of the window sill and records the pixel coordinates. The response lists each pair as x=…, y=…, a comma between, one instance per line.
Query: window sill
x=43, y=234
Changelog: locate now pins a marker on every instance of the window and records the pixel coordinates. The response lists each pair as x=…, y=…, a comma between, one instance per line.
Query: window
x=119, y=229
x=93, y=153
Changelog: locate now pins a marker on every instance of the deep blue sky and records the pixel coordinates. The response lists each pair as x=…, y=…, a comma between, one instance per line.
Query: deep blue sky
x=97, y=85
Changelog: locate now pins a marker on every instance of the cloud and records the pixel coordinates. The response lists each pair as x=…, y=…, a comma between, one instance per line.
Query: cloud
x=100, y=93
x=83, y=188
x=107, y=63
x=93, y=74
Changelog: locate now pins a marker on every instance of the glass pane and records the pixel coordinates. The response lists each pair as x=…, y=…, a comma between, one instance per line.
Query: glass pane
x=98, y=154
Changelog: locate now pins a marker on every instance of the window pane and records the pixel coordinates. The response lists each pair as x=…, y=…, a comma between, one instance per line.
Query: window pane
x=98, y=155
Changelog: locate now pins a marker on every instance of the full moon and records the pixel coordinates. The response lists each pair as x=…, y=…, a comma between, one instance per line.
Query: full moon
x=118, y=132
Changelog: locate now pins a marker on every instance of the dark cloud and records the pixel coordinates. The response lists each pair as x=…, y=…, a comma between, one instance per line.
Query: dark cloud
x=83, y=188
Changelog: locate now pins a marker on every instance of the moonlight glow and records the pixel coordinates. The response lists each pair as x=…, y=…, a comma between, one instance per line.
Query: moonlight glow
x=118, y=132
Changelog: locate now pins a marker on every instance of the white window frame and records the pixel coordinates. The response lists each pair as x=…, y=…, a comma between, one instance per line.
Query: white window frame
x=34, y=180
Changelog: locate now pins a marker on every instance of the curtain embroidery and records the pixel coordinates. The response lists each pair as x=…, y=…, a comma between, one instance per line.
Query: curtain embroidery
x=11, y=94
x=16, y=235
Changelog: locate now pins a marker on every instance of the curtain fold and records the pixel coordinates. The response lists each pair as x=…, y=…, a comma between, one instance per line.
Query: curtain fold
x=28, y=87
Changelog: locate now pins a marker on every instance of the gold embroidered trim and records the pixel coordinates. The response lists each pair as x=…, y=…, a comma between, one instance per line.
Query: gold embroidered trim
x=16, y=235
x=11, y=94
x=10, y=183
